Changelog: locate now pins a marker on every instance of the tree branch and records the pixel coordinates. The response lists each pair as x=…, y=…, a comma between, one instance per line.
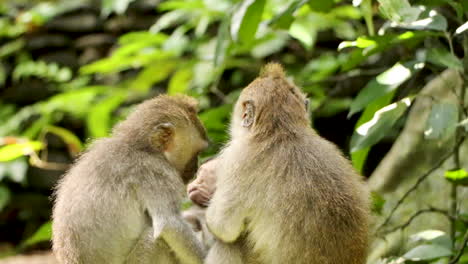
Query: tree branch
x=419, y=181
x=461, y=249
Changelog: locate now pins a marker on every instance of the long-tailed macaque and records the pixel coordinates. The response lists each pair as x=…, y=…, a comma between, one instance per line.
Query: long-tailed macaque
x=120, y=202
x=283, y=193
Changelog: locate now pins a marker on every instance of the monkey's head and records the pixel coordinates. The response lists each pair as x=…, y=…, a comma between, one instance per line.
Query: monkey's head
x=167, y=125
x=270, y=106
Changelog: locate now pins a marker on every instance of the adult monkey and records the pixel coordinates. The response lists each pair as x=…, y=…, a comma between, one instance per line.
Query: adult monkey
x=283, y=193
x=120, y=201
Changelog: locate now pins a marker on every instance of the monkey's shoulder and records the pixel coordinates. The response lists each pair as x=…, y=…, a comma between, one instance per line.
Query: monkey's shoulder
x=112, y=158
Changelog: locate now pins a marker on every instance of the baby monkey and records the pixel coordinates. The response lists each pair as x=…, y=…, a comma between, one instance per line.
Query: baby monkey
x=120, y=202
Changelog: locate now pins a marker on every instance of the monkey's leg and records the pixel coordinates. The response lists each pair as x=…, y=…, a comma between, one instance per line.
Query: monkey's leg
x=147, y=251
x=223, y=253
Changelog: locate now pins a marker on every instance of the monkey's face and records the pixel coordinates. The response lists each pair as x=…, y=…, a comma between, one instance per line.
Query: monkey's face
x=183, y=148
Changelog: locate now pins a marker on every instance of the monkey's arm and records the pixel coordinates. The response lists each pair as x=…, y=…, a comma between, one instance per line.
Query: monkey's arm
x=225, y=218
x=181, y=239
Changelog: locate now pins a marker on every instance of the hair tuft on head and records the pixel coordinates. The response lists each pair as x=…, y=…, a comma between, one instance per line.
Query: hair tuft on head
x=272, y=69
x=190, y=102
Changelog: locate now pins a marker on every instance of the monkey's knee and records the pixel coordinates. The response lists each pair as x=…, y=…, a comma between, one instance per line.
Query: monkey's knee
x=221, y=253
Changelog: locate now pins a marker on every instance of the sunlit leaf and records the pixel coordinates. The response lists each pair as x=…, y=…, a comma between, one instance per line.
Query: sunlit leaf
x=427, y=252
x=180, y=81
x=246, y=19
x=435, y=22
x=44, y=233
x=71, y=140
x=117, y=6
x=302, y=31
x=168, y=19
x=98, y=120
x=384, y=83
x=457, y=176
x=373, y=131
x=442, y=121
x=14, y=151
x=461, y=28
x=5, y=196
x=359, y=157
x=443, y=57
x=434, y=237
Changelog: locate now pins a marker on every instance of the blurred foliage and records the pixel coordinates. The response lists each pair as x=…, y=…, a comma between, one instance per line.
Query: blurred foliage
x=363, y=57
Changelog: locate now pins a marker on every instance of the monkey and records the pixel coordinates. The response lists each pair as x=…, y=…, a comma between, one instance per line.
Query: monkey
x=283, y=193
x=119, y=203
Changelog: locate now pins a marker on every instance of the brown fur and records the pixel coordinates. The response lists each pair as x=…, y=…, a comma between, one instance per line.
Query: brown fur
x=120, y=202
x=284, y=194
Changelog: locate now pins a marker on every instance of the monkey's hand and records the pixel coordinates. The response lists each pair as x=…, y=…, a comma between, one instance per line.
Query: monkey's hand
x=182, y=240
x=201, y=190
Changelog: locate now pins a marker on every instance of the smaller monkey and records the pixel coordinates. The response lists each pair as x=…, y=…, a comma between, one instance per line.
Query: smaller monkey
x=120, y=202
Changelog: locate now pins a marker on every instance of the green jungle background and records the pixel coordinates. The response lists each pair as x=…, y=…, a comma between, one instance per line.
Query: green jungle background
x=387, y=81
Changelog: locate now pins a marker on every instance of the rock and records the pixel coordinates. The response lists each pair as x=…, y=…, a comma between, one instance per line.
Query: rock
x=46, y=41
x=93, y=40
x=64, y=57
x=74, y=22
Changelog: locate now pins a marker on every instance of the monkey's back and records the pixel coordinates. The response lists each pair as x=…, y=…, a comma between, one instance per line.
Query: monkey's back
x=308, y=206
x=97, y=215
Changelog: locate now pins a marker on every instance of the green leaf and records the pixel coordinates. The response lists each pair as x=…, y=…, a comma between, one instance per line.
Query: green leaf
x=285, y=18
x=71, y=140
x=399, y=11
x=98, y=120
x=443, y=57
x=44, y=233
x=222, y=42
x=14, y=151
x=5, y=196
x=371, y=132
x=180, y=81
x=152, y=74
x=457, y=176
x=302, y=31
x=76, y=102
x=427, y=252
x=384, y=83
x=321, y=5
x=442, y=121
x=359, y=157
x=246, y=19
x=378, y=203
x=168, y=19
x=15, y=170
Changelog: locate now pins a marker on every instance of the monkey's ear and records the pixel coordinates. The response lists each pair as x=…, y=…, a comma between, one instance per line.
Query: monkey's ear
x=162, y=135
x=248, y=113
